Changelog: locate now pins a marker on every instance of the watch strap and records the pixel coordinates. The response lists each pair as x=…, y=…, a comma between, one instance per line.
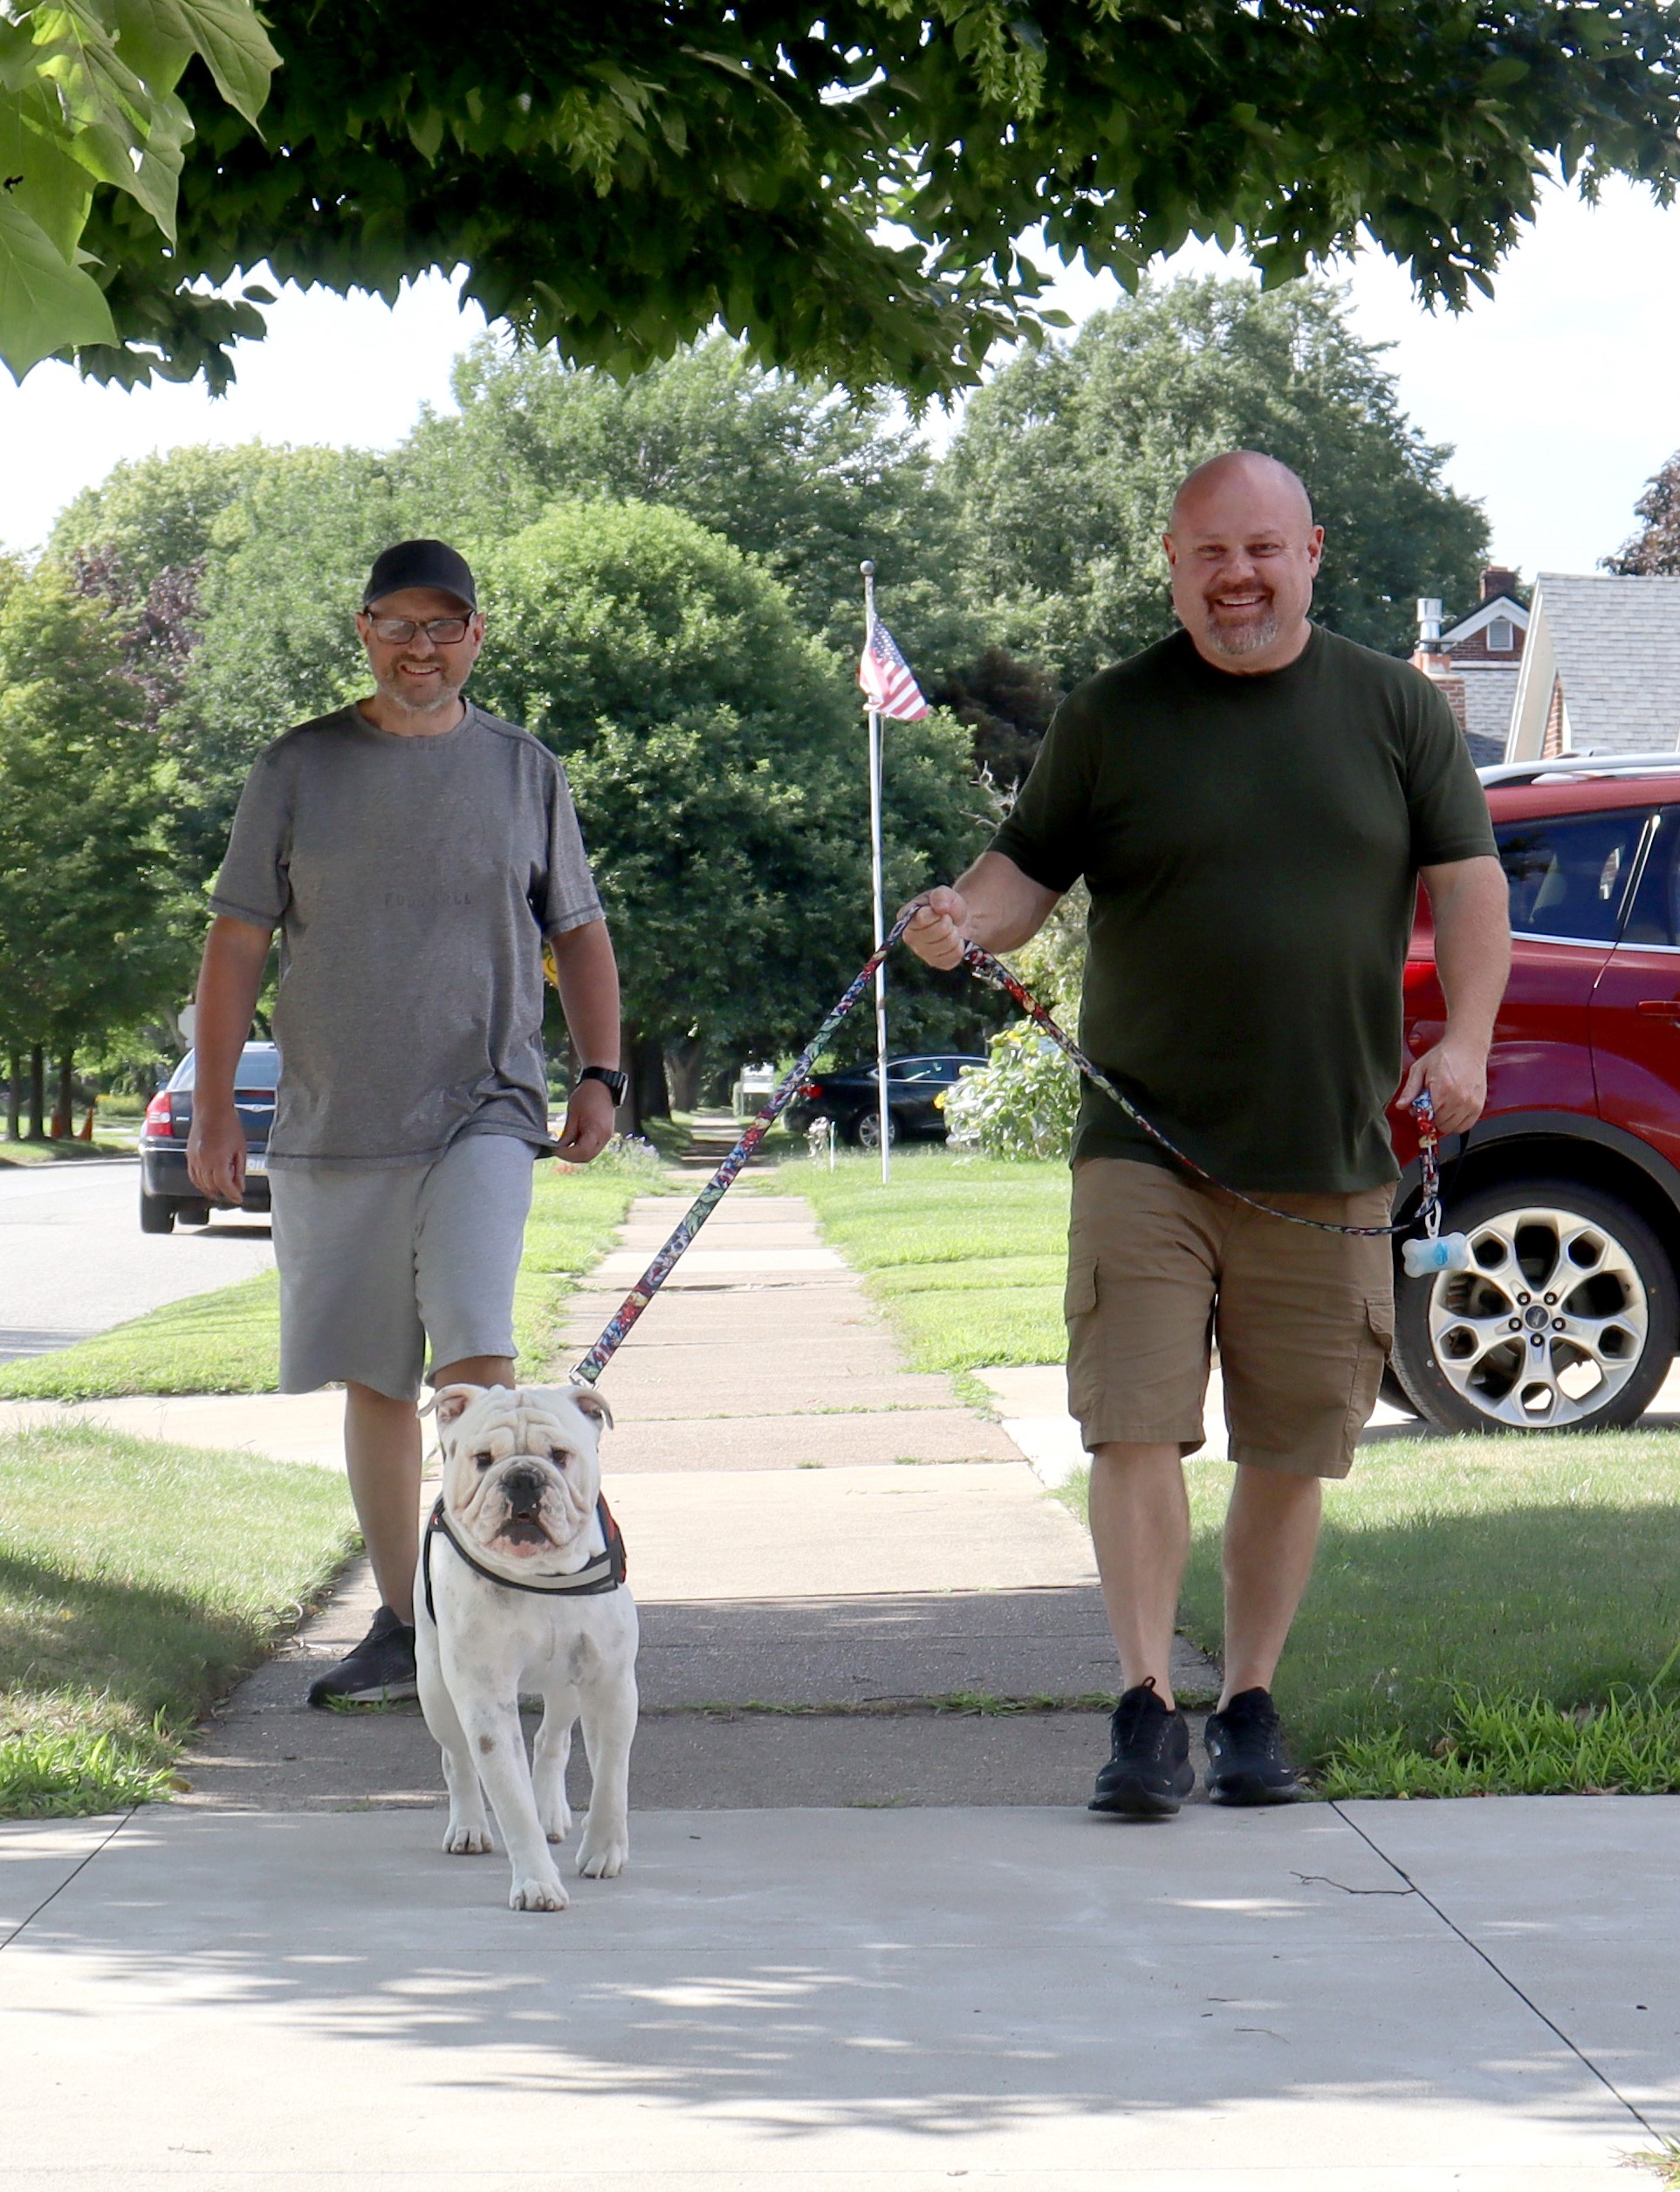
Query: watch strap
x=612, y=1080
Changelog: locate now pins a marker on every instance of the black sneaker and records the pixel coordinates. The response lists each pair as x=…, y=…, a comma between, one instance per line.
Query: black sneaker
x=1150, y=1773
x=381, y=1667
x=1247, y=1763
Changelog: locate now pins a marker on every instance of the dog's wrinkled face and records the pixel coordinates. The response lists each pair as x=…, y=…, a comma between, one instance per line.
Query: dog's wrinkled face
x=521, y=1472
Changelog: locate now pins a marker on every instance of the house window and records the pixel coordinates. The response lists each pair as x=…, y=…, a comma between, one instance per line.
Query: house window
x=1501, y=635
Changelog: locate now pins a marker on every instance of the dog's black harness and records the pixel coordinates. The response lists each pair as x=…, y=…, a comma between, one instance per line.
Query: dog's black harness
x=605, y=1572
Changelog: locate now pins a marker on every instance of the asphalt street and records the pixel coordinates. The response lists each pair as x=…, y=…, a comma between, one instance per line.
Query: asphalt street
x=74, y=1259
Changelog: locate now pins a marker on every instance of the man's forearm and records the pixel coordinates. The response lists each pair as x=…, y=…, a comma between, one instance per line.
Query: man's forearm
x=1470, y=904
x=1005, y=907
x=229, y=981
x=588, y=978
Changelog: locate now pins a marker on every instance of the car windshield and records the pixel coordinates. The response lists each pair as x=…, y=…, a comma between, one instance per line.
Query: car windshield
x=259, y=1068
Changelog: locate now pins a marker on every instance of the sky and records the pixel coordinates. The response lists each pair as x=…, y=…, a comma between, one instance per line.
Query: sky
x=1561, y=395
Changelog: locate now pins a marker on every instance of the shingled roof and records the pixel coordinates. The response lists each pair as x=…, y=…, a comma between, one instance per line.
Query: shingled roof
x=1612, y=646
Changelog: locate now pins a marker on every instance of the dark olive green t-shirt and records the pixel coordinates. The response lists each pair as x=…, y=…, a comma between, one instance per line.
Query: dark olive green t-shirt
x=1251, y=846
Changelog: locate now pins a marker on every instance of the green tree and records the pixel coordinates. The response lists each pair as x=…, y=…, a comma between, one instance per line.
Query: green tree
x=1654, y=551
x=92, y=935
x=717, y=759
x=157, y=513
x=1067, y=464
x=88, y=100
x=789, y=471
x=847, y=188
x=282, y=576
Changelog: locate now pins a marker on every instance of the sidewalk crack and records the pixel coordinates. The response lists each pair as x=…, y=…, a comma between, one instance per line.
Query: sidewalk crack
x=75, y=1873
x=1476, y=1948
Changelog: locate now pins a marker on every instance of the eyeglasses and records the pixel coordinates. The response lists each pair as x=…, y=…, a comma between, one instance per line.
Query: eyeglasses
x=397, y=631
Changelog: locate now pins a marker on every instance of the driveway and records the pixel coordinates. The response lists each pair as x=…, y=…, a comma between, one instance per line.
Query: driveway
x=74, y=1259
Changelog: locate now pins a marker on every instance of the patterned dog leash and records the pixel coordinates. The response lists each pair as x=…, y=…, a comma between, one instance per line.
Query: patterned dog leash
x=1444, y=1254
x=1428, y=1213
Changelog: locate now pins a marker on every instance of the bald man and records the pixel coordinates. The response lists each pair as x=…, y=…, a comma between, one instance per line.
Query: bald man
x=1251, y=802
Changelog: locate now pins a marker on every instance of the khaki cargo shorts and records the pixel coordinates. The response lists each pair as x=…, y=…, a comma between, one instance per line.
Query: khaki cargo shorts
x=1160, y=1267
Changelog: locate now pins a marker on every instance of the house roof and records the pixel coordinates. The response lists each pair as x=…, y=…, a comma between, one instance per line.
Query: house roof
x=1613, y=645
x=1505, y=605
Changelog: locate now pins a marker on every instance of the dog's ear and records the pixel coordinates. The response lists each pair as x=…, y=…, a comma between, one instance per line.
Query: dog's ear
x=592, y=1406
x=451, y=1401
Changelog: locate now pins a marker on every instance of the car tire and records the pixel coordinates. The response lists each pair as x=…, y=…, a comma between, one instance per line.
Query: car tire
x=1566, y=1321
x=864, y=1132
x=157, y=1213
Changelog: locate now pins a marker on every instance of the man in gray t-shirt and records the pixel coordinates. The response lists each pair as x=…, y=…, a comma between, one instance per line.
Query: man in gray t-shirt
x=414, y=854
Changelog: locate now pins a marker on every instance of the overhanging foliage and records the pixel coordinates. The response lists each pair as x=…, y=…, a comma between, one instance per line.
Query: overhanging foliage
x=847, y=187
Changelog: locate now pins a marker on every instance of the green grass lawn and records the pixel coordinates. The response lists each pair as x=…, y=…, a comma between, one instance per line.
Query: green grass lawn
x=966, y=1256
x=1476, y=1604
x=228, y=1341
x=137, y=1582
x=65, y=1152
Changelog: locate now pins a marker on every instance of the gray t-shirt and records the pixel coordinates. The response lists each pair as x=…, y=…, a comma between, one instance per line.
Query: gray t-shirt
x=413, y=881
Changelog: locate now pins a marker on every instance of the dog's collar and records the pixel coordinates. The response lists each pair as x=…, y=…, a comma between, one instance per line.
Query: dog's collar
x=605, y=1572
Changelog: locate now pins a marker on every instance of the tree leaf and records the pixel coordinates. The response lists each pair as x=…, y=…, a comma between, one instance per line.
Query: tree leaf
x=226, y=34
x=40, y=177
x=45, y=303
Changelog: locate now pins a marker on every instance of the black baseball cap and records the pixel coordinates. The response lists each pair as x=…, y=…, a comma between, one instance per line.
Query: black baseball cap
x=419, y=563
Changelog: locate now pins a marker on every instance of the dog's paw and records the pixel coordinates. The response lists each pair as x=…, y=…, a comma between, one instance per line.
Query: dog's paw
x=463, y=1839
x=534, y=1892
x=603, y=1859
x=557, y=1824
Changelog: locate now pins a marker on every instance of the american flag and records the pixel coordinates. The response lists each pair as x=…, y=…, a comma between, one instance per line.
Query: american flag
x=886, y=676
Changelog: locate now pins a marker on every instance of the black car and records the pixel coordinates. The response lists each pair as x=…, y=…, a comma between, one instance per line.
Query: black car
x=166, y=1192
x=914, y=1088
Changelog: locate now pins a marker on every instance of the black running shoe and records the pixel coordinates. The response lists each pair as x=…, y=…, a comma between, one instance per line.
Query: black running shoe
x=381, y=1667
x=1247, y=1763
x=1150, y=1773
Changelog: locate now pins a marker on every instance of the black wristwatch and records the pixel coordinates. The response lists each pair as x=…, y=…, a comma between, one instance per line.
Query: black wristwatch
x=615, y=1083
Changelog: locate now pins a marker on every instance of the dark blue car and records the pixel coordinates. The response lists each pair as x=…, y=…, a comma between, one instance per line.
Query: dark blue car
x=914, y=1089
x=166, y=1192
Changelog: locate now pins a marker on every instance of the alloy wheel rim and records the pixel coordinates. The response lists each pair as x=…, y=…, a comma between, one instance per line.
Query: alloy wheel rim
x=1548, y=1323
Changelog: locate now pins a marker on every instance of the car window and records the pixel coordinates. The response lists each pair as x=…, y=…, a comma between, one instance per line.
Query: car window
x=1654, y=916
x=259, y=1068
x=1569, y=874
x=916, y=1070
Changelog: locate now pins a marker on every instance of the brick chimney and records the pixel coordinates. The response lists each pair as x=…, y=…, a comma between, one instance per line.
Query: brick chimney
x=1496, y=580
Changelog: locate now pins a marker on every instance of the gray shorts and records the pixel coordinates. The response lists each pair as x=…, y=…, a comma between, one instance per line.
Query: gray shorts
x=376, y=1259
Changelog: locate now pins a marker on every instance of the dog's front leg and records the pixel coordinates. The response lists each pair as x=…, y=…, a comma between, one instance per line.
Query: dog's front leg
x=498, y=1749
x=609, y=1727
x=468, y=1832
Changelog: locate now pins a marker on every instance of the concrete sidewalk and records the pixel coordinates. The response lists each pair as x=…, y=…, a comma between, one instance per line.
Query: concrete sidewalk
x=865, y=1939
x=828, y=1551
x=1409, y=1998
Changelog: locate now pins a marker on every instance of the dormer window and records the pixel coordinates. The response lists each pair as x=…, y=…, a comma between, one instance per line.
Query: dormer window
x=1501, y=635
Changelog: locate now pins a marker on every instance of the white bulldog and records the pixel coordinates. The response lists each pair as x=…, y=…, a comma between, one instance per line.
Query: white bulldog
x=519, y=1515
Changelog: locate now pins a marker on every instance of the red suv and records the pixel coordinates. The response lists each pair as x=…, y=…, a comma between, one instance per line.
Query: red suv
x=1568, y=1187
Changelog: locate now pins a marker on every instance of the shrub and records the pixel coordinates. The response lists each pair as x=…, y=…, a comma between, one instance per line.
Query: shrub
x=1021, y=1105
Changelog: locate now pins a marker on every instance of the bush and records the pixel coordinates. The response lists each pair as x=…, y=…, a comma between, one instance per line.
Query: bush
x=1022, y=1104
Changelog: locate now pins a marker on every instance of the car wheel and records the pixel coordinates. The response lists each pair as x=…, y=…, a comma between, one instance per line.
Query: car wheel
x=1565, y=1321
x=866, y=1131
x=157, y=1213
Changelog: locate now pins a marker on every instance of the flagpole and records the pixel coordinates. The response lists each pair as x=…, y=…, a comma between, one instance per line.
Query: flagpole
x=881, y=1112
